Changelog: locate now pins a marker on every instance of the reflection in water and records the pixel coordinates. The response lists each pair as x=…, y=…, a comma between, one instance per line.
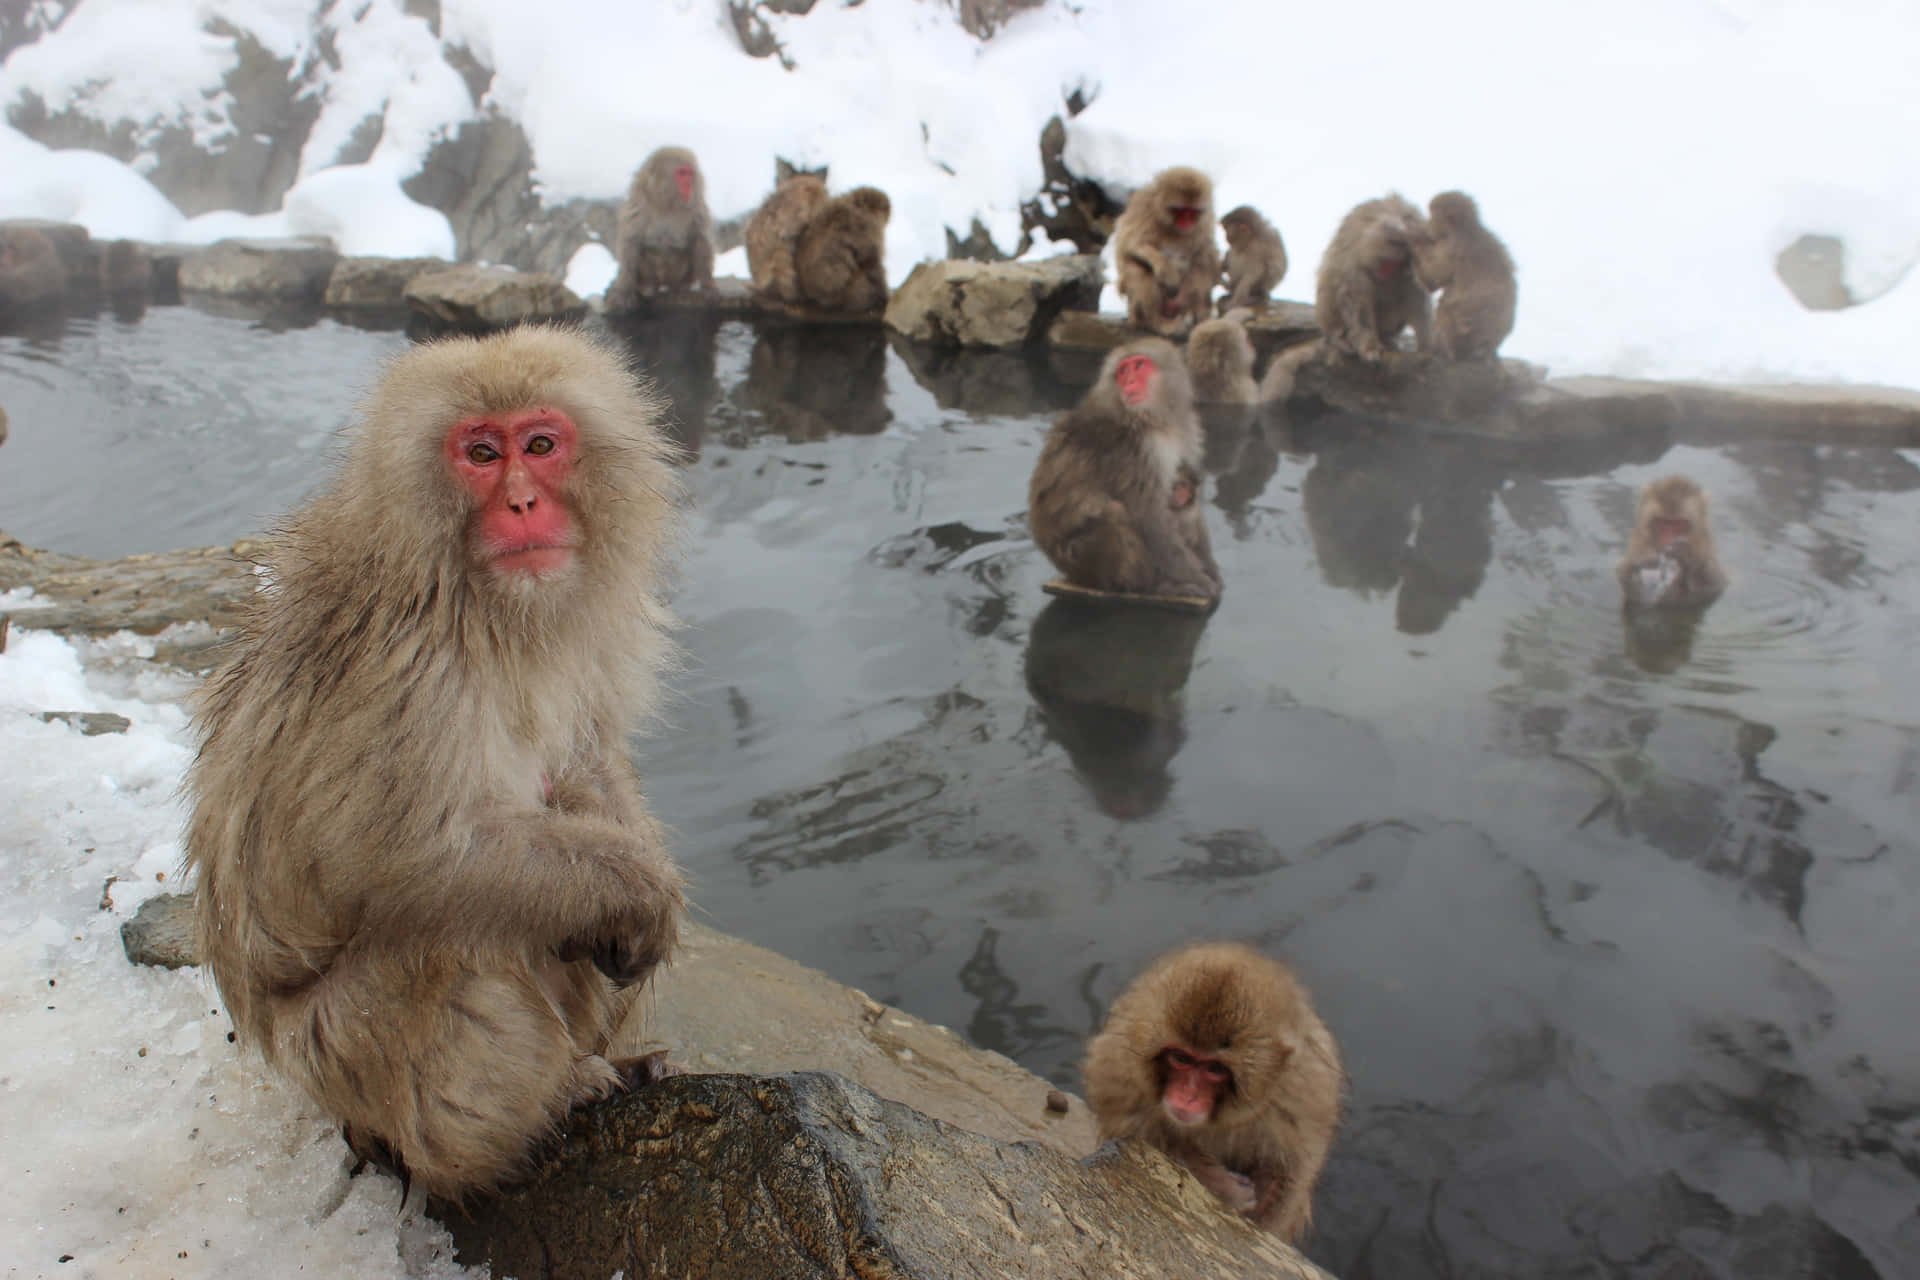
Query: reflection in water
x=677, y=352
x=1660, y=640
x=1107, y=679
x=808, y=382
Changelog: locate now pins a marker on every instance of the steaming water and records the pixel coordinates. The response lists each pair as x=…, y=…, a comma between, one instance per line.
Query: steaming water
x=1617, y=928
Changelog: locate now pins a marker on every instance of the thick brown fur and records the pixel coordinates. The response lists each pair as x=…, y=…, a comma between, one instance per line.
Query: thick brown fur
x=773, y=233
x=1115, y=496
x=1686, y=572
x=1469, y=264
x=1366, y=292
x=1166, y=274
x=1256, y=260
x=1274, y=1124
x=841, y=259
x=1220, y=362
x=662, y=240
x=418, y=836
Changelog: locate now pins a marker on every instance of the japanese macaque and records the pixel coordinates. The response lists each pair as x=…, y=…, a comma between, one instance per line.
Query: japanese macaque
x=664, y=239
x=1367, y=292
x=1115, y=496
x=1276, y=384
x=1670, y=558
x=1220, y=362
x=1470, y=266
x=429, y=887
x=31, y=273
x=841, y=259
x=1164, y=255
x=1256, y=259
x=1216, y=1056
x=773, y=233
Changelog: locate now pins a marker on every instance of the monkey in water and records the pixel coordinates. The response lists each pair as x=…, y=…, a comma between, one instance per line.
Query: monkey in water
x=1115, y=496
x=1256, y=259
x=1366, y=292
x=773, y=234
x=841, y=257
x=1474, y=273
x=1670, y=558
x=1216, y=1056
x=664, y=238
x=1164, y=255
x=429, y=888
x=1220, y=362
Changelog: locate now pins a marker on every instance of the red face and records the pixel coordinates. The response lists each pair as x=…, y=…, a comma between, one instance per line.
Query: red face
x=683, y=178
x=1135, y=375
x=1193, y=1085
x=1184, y=216
x=515, y=467
x=1670, y=529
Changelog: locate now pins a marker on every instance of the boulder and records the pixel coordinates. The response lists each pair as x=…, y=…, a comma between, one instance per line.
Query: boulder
x=288, y=269
x=809, y=1176
x=33, y=267
x=475, y=299
x=959, y=302
x=90, y=723
x=376, y=282
x=1274, y=328
x=1814, y=269
x=162, y=932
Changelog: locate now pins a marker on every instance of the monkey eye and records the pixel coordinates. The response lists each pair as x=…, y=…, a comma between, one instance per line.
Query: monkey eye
x=1217, y=1071
x=1179, y=1058
x=539, y=446
x=481, y=453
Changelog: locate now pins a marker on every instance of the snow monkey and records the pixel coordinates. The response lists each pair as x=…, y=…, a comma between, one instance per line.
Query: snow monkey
x=1220, y=362
x=1256, y=259
x=1471, y=267
x=773, y=233
x=1367, y=293
x=1114, y=500
x=664, y=238
x=841, y=258
x=1216, y=1056
x=429, y=887
x=1164, y=255
x=1670, y=558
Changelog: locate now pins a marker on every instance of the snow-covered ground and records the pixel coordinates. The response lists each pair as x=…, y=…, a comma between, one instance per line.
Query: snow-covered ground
x=1645, y=163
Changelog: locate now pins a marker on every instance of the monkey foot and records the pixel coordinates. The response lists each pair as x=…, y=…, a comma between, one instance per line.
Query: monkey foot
x=648, y=1068
x=370, y=1149
x=1180, y=603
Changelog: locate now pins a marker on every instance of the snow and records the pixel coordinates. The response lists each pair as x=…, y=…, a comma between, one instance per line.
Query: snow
x=1645, y=169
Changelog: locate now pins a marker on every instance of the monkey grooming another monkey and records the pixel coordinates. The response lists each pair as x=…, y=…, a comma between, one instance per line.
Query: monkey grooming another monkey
x=1115, y=497
x=1670, y=558
x=1366, y=292
x=1164, y=255
x=773, y=234
x=664, y=238
x=1216, y=1056
x=1220, y=362
x=429, y=887
x=841, y=258
x=1472, y=268
x=1256, y=259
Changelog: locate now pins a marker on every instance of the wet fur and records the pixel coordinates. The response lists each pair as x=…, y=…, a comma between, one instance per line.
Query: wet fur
x=662, y=241
x=1100, y=501
x=1155, y=261
x=1360, y=310
x=1220, y=361
x=1701, y=578
x=1275, y=1124
x=841, y=256
x=1474, y=273
x=773, y=233
x=396, y=912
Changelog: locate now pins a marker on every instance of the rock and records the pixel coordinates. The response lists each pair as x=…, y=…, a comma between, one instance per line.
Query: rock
x=71, y=241
x=998, y=304
x=3, y=426
x=475, y=299
x=267, y=269
x=33, y=275
x=376, y=282
x=1067, y=207
x=983, y=17
x=1279, y=326
x=1814, y=269
x=166, y=260
x=90, y=723
x=126, y=269
x=732, y=1177
x=162, y=933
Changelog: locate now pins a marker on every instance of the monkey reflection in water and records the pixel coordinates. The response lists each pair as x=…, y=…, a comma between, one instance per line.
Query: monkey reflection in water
x=811, y=381
x=1108, y=682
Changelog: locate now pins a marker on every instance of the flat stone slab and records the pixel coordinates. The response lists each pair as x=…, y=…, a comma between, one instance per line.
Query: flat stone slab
x=960, y=302
x=376, y=282
x=1179, y=604
x=475, y=299
x=1281, y=325
x=291, y=268
x=810, y=1177
x=161, y=933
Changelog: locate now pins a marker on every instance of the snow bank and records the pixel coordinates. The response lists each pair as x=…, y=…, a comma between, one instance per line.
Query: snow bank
x=1645, y=167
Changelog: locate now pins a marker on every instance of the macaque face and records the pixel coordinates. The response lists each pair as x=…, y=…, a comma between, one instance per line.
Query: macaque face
x=1135, y=376
x=683, y=178
x=1191, y=1085
x=1669, y=529
x=1184, y=215
x=514, y=468
x=1238, y=234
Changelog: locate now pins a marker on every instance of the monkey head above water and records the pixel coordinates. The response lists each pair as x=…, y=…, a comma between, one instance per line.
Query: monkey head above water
x=1670, y=559
x=1216, y=1056
x=429, y=888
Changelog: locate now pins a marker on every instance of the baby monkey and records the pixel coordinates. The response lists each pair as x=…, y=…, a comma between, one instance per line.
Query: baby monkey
x=1670, y=559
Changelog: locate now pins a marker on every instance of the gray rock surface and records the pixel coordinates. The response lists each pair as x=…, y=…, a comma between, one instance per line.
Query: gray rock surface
x=90, y=723
x=803, y=1176
x=161, y=932
x=1279, y=326
x=1814, y=269
x=473, y=299
x=376, y=282
x=961, y=302
x=276, y=269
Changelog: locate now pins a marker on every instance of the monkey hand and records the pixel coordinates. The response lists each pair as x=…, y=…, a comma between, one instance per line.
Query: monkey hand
x=1235, y=1190
x=630, y=947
